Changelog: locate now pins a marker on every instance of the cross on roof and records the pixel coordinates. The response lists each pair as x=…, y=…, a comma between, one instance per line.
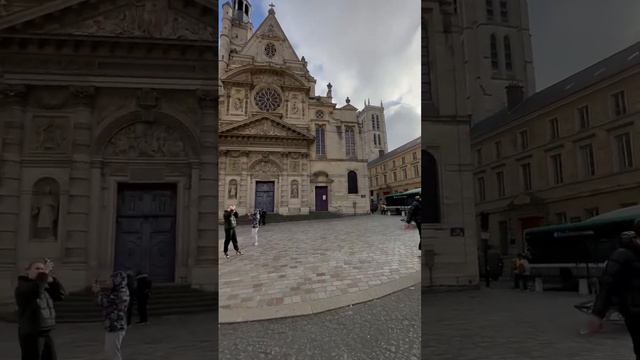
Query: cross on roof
x=272, y=5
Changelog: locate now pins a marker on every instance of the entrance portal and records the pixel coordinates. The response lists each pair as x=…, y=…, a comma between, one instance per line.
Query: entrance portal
x=322, y=198
x=265, y=195
x=146, y=230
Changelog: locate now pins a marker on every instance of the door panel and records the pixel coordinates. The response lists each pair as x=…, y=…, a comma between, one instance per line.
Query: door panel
x=265, y=199
x=146, y=230
x=322, y=198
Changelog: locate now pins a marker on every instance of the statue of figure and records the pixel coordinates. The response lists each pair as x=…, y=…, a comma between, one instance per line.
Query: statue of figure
x=45, y=214
x=294, y=189
x=233, y=189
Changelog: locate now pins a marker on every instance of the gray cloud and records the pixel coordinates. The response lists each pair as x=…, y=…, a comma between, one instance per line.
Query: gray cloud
x=570, y=35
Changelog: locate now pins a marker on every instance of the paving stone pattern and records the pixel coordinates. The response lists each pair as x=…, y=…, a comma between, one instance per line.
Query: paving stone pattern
x=186, y=337
x=387, y=328
x=504, y=324
x=302, y=261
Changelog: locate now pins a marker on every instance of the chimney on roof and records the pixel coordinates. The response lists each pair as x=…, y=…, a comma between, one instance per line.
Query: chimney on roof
x=515, y=95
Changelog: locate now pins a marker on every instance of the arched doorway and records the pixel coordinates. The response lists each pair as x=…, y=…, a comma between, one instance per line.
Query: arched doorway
x=430, y=189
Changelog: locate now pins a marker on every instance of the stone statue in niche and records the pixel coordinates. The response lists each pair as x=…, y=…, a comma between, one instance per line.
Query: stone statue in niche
x=294, y=189
x=44, y=210
x=237, y=105
x=233, y=189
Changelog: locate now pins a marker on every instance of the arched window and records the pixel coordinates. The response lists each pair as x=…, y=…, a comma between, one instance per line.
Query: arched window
x=430, y=189
x=508, y=63
x=489, y=9
x=375, y=140
x=494, y=52
x=352, y=180
x=373, y=123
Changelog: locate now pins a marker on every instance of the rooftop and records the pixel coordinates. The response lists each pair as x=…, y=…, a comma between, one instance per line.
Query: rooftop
x=396, y=151
x=612, y=65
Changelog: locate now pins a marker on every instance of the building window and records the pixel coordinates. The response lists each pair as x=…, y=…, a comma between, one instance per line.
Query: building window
x=481, y=189
x=385, y=178
x=489, y=9
x=320, y=141
x=588, y=160
x=414, y=156
x=523, y=139
x=404, y=174
x=494, y=52
x=619, y=104
x=554, y=131
x=403, y=160
x=379, y=140
x=589, y=213
x=500, y=183
x=583, y=117
x=352, y=182
x=624, y=151
x=393, y=164
x=377, y=184
x=373, y=123
x=504, y=11
x=498, y=145
x=479, y=156
x=395, y=176
x=556, y=164
x=561, y=218
x=350, y=142
x=416, y=171
x=375, y=140
x=508, y=59
x=526, y=176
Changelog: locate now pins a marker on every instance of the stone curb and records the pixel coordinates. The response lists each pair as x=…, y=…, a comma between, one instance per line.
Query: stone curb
x=236, y=315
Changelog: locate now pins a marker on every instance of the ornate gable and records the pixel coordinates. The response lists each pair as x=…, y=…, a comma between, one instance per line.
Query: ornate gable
x=160, y=19
x=265, y=127
x=269, y=43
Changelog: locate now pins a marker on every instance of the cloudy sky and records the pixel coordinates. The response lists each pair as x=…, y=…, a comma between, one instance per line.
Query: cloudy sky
x=570, y=35
x=365, y=48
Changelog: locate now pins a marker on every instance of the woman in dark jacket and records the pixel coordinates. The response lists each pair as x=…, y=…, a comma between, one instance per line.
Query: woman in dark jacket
x=35, y=296
x=114, y=303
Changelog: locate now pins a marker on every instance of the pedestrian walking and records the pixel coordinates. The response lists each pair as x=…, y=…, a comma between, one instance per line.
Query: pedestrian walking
x=414, y=214
x=263, y=217
x=114, y=302
x=131, y=286
x=143, y=293
x=35, y=295
x=255, y=225
x=620, y=281
x=230, y=221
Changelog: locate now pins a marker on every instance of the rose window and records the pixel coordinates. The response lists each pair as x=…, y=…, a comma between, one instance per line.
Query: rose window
x=319, y=114
x=270, y=50
x=268, y=99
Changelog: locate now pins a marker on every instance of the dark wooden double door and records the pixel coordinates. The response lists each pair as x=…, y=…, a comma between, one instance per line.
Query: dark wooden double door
x=146, y=230
x=265, y=195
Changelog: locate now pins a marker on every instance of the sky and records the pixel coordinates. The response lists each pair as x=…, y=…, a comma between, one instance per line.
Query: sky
x=366, y=49
x=570, y=35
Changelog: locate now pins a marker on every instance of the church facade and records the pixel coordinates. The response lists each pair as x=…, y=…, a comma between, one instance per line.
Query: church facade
x=108, y=140
x=283, y=149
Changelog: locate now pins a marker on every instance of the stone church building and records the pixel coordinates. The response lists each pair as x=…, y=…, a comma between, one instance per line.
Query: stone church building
x=283, y=148
x=471, y=51
x=108, y=139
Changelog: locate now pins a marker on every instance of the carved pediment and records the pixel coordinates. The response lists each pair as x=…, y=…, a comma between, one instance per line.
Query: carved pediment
x=160, y=19
x=265, y=127
x=143, y=139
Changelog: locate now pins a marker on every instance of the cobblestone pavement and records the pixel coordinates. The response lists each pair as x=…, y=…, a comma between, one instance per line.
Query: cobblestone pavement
x=304, y=261
x=387, y=328
x=186, y=337
x=506, y=324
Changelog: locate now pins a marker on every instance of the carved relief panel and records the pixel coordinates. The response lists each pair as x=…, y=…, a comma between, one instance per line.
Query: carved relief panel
x=143, y=139
x=237, y=101
x=295, y=105
x=49, y=134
